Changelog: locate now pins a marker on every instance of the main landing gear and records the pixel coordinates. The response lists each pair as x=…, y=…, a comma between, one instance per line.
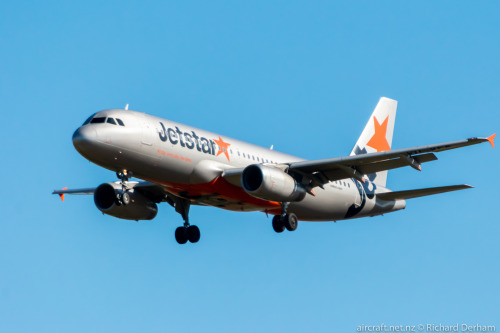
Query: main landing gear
x=284, y=221
x=190, y=233
x=187, y=232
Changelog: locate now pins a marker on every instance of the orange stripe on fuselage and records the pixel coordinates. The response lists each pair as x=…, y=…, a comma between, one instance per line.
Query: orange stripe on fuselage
x=220, y=193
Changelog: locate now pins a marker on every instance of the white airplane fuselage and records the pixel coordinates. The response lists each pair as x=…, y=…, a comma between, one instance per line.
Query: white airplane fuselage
x=193, y=164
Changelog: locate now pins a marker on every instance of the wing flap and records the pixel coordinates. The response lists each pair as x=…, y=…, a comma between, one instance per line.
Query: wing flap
x=410, y=194
x=395, y=163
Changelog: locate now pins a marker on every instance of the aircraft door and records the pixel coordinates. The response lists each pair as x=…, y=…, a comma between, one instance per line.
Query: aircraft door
x=150, y=157
x=147, y=132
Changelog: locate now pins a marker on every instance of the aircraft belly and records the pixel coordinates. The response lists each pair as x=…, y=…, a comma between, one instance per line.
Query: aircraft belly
x=220, y=193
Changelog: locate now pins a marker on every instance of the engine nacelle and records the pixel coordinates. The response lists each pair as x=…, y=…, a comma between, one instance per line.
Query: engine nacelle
x=139, y=207
x=269, y=183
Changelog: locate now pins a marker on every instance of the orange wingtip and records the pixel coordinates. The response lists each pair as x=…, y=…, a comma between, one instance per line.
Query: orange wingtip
x=62, y=194
x=491, y=139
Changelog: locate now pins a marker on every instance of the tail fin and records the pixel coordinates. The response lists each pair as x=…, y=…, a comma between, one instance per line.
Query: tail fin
x=377, y=135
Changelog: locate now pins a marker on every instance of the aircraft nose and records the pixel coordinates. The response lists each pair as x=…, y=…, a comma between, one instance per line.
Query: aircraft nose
x=84, y=137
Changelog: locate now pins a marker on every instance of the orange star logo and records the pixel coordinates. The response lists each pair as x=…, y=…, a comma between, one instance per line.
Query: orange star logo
x=379, y=140
x=224, y=147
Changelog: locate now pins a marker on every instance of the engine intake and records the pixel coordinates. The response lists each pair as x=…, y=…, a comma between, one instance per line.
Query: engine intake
x=270, y=183
x=139, y=208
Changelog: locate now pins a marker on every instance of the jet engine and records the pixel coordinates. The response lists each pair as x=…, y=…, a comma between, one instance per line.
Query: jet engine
x=110, y=199
x=270, y=183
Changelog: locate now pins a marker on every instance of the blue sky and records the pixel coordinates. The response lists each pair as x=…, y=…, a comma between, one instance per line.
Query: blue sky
x=302, y=76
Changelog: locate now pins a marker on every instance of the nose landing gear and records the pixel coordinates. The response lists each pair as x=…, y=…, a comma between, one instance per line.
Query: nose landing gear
x=123, y=198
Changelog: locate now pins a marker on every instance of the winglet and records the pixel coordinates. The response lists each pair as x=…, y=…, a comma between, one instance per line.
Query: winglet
x=491, y=139
x=62, y=194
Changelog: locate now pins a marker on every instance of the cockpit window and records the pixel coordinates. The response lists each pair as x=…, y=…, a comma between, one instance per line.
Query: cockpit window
x=88, y=120
x=111, y=121
x=98, y=120
x=120, y=122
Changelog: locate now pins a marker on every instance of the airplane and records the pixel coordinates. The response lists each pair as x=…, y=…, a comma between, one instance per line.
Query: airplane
x=185, y=166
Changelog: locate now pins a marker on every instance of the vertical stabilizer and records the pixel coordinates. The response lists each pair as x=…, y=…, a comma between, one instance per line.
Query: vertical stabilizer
x=377, y=135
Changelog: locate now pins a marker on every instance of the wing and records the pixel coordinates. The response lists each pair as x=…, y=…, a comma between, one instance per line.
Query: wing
x=321, y=172
x=154, y=192
x=65, y=190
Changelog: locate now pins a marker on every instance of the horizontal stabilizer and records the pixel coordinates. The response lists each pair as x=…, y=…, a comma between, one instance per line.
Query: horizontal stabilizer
x=410, y=194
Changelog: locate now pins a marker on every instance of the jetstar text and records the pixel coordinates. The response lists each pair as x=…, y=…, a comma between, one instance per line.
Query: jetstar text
x=189, y=140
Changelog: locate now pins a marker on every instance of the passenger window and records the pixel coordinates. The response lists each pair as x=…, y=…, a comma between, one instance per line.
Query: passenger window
x=253, y=157
x=120, y=122
x=111, y=121
x=258, y=158
x=98, y=120
x=88, y=120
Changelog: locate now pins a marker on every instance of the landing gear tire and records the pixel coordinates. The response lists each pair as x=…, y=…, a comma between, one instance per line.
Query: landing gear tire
x=278, y=225
x=291, y=222
x=193, y=234
x=125, y=198
x=118, y=200
x=122, y=199
x=181, y=235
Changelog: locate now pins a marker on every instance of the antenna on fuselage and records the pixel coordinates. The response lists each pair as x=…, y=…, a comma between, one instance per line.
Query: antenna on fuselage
x=272, y=146
x=126, y=107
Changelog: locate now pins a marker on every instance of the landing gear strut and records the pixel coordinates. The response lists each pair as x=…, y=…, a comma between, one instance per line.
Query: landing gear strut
x=285, y=220
x=187, y=232
x=123, y=198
